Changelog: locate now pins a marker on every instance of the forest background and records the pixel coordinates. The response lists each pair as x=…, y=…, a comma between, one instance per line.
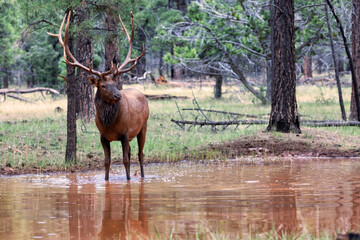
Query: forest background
x=224, y=42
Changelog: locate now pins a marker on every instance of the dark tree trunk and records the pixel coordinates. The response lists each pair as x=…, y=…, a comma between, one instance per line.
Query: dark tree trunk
x=218, y=86
x=172, y=67
x=319, y=64
x=70, y=155
x=338, y=83
x=284, y=115
x=141, y=64
x=268, y=80
x=355, y=56
x=30, y=79
x=182, y=6
x=6, y=78
x=308, y=67
x=355, y=39
x=340, y=64
x=84, y=53
x=111, y=42
x=161, y=63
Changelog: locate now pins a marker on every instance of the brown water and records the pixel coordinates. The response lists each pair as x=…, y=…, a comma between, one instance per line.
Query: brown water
x=312, y=196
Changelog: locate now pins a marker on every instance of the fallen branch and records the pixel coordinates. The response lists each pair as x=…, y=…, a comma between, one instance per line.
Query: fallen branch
x=222, y=112
x=19, y=98
x=181, y=123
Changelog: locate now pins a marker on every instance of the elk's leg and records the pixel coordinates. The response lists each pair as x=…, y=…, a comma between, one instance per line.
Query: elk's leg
x=126, y=155
x=141, y=142
x=106, y=146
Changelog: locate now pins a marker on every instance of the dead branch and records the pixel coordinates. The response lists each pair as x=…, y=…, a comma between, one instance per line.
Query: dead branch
x=164, y=96
x=19, y=98
x=219, y=123
x=223, y=112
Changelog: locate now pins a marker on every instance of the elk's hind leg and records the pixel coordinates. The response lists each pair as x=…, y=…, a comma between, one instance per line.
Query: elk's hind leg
x=106, y=146
x=141, y=142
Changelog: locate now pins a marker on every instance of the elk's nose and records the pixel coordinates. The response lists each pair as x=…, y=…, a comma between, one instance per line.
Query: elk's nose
x=117, y=96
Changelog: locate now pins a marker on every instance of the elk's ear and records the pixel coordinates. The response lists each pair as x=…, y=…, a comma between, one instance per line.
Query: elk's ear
x=93, y=81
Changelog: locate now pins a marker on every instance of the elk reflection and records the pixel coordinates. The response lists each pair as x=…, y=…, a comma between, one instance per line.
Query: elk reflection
x=119, y=214
x=119, y=219
x=82, y=214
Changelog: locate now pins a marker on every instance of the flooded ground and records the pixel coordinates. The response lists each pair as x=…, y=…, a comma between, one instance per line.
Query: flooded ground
x=302, y=196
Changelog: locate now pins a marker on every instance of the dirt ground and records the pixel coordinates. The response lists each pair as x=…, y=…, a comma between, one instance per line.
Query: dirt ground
x=310, y=144
x=288, y=146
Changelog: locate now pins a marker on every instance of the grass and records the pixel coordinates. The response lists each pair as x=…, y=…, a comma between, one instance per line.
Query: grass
x=33, y=135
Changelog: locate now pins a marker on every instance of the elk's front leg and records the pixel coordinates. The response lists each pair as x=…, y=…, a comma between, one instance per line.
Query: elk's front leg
x=126, y=155
x=106, y=146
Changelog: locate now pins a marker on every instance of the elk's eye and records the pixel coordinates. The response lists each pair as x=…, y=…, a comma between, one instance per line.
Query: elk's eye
x=103, y=86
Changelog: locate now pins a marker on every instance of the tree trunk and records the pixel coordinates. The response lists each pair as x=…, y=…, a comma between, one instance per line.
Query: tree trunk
x=218, y=86
x=141, y=64
x=340, y=64
x=355, y=56
x=355, y=38
x=161, y=63
x=70, y=155
x=284, y=115
x=30, y=79
x=320, y=65
x=6, y=78
x=172, y=66
x=308, y=67
x=268, y=79
x=84, y=53
x=112, y=43
x=338, y=83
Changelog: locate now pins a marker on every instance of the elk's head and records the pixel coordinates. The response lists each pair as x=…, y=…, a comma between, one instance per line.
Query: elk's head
x=105, y=81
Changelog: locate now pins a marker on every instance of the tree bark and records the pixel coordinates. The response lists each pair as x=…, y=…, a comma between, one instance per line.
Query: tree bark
x=6, y=78
x=356, y=57
x=84, y=53
x=338, y=83
x=70, y=155
x=111, y=43
x=308, y=67
x=218, y=86
x=284, y=115
x=268, y=79
x=141, y=64
x=161, y=63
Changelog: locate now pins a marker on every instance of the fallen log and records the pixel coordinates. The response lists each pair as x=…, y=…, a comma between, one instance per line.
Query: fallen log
x=181, y=123
x=164, y=96
x=29, y=90
x=218, y=123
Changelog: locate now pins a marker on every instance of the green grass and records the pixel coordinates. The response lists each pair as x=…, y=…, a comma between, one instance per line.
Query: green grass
x=34, y=136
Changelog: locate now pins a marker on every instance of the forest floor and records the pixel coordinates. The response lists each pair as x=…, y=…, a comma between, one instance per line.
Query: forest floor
x=263, y=146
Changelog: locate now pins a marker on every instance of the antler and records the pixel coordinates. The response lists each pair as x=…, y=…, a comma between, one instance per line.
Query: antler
x=67, y=52
x=128, y=60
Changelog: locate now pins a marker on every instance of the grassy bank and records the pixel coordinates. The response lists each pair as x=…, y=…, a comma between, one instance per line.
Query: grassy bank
x=33, y=135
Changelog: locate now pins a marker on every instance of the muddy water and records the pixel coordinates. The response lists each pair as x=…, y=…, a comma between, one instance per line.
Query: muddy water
x=312, y=196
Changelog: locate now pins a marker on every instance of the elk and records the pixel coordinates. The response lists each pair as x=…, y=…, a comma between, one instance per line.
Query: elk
x=121, y=115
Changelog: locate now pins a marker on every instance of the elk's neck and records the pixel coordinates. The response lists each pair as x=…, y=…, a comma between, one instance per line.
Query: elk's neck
x=107, y=112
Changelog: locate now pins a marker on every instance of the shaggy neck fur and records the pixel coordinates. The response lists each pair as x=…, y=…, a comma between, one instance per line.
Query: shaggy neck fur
x=106, y=111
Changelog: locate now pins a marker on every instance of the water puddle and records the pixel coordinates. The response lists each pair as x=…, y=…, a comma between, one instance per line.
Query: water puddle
x=312, y=196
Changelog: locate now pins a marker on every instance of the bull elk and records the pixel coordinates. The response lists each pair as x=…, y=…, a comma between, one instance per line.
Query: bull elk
x=121, y=115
